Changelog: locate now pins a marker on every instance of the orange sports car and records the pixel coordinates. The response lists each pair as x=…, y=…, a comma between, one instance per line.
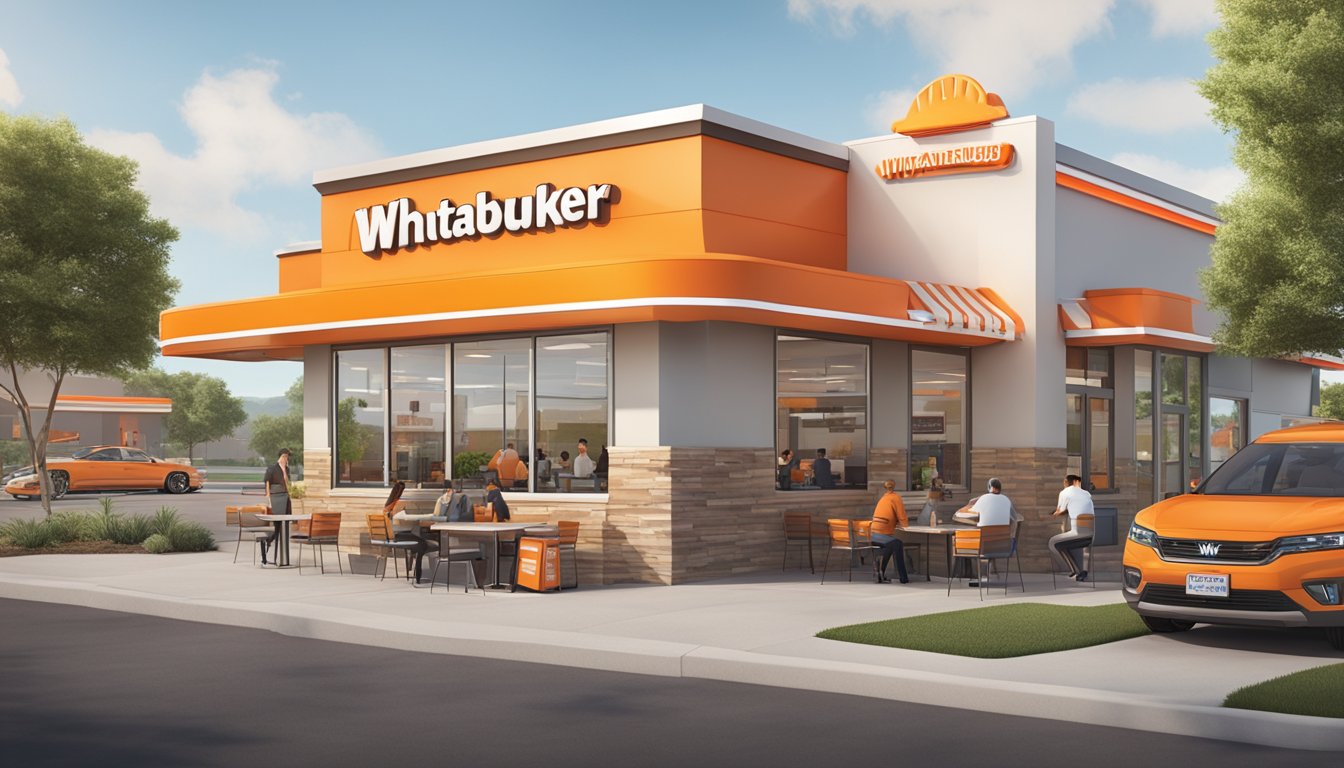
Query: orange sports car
x=109, y=468
x=1259, y=543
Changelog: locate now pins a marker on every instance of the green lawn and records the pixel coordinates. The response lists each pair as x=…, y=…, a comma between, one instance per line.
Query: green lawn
x=999, y=631
x=1318, y=691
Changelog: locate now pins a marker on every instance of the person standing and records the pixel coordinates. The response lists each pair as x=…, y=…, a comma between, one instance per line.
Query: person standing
x=888, y=516
x=1067, y=547
x=275, y=485
x=583, y=463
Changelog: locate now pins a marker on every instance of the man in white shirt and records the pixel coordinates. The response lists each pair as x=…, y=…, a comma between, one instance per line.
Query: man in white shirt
x=583, y=464
x=991, y=508
x=1067, y=547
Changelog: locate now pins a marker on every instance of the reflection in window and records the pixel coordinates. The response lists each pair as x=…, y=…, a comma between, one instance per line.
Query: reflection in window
x=821, y=405
x=1088, y=416
x=1227, y=429
x=938, y=387
x=419, y=411
x=360, y=416
x=490, y=393
x=1143, y=424
x=571, y=404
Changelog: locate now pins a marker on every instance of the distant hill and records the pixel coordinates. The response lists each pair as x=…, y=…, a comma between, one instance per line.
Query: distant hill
x=269, y=406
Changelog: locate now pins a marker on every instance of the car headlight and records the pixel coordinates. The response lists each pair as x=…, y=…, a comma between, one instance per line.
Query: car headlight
x=1140, y=535
x=1312, y=543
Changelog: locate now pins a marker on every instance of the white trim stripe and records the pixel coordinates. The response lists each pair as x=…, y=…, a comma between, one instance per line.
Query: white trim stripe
x=1077, y=315
x=1141, y=330
x=1105, y=183
x=577, y=306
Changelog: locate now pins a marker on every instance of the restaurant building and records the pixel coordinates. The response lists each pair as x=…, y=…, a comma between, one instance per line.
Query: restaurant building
x=696, y=291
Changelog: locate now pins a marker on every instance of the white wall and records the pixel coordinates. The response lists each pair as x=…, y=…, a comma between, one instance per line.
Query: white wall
x=716, y=385
x=635, y=385
x=994, y=229
x=317, y=387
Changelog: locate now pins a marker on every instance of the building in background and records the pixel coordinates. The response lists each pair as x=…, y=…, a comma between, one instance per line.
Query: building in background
x=692, y=292
x=89, y=411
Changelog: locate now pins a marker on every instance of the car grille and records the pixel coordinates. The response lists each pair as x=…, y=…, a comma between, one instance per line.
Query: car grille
x=1237, y=599
x=1228, y=551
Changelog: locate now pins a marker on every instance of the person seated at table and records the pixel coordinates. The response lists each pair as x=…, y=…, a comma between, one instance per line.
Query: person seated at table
x=928, y=514
x=494, y=498
x=991, y=508
x=454, y=505
x=583, y=463
x=505, y=462
x=821, y=470
x=407, y=526
x=785, y=465
x=888, y=516
x=1068, y=547
x=600, y=469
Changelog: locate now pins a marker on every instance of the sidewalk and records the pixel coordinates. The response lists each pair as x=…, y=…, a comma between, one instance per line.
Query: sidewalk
x=755, y=629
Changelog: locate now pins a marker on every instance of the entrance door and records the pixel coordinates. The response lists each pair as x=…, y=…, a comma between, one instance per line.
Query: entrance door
x=1173, y=473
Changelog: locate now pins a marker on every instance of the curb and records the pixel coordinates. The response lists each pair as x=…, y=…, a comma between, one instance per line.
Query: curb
x=667, y=659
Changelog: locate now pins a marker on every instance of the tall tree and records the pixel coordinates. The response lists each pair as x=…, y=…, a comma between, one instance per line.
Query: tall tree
x=1332, y=401
x=271, y=433
x=203, y=408
x=83, y=268
x=1278, y=259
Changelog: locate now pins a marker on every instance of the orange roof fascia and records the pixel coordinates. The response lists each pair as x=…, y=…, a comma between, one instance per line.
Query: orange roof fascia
x=1132, y=203
x=718, y=287
x=111, y=400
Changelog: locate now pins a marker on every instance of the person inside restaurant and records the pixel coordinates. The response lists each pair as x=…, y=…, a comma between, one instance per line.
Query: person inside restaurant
x=888, y=516
x=787, y=463
x=821, y=470
x=583, y=463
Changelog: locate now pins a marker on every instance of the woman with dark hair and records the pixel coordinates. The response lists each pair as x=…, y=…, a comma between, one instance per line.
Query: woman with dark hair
x=395, y=509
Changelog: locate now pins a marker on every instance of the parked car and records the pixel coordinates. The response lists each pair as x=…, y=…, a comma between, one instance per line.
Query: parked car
x=108, y=468
x=1259, y=543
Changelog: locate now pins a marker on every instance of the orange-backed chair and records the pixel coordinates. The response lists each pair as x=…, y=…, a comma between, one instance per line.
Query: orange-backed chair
x=798, y=530
x=797, y=476
x=381, y=538
x=851, y=537
x=569, y=551
x=323, y=530
x=983, y=545
x=248, y=524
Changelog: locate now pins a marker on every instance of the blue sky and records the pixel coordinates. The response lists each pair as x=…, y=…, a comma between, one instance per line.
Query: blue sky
x=230, y=107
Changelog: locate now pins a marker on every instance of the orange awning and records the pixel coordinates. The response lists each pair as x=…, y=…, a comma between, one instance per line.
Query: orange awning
x=1111, y=317
x=697, y=287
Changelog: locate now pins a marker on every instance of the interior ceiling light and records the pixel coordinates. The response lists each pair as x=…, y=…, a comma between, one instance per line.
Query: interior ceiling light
x=478, y=356
x=567, y=347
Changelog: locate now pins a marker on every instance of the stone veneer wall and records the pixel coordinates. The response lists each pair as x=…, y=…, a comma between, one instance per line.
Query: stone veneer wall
x=888, y=464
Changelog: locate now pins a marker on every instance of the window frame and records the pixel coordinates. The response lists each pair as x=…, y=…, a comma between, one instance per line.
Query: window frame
x=867, y=345
x=1088, y=394
x=964, y=352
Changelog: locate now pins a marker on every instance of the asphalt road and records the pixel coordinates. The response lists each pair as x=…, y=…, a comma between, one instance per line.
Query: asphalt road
x=88, y=687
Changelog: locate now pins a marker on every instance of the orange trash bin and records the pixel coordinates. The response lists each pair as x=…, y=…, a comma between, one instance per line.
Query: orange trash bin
x=539, y=564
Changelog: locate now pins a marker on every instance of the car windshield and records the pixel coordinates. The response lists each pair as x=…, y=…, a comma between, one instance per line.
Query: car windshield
x=1281, y=469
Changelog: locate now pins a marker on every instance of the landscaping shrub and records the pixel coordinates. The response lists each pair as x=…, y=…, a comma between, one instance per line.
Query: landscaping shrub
x=158, y=544
x=165, y=519
x=134, y=529
x=28, y=534
x=188, y=536
x=468, y=463
x=68, y=526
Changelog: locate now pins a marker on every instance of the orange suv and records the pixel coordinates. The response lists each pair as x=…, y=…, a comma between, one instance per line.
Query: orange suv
x=1259, y=543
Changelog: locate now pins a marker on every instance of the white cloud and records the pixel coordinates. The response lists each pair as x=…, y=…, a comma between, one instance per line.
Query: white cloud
x=888, y=107
x=1157, y=106
x=1173, y=18
x=10, y=95
x=245, y=140
x=1216, y=183
x=1013, y=45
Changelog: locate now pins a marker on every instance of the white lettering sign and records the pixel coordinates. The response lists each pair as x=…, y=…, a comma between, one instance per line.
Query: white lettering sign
x=398, y=225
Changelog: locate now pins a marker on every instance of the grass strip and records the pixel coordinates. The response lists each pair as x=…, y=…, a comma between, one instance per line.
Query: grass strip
x=1318, y=691
x=999, y=631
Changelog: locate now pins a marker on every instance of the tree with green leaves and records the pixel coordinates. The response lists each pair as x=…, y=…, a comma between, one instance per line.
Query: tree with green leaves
x=203, y=408
x=1332, y=401
x=1278, y=259
x=351, y=436
x=83, y=269
x=271, y=433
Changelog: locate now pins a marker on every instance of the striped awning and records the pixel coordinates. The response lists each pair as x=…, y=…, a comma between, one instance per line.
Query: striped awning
x=974, y=310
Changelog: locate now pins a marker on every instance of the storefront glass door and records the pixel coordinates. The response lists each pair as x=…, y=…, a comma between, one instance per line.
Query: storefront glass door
x=1173, y=453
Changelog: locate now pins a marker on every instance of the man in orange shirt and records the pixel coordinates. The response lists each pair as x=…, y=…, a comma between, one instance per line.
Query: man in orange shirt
x=505, y=463
x=887, y=517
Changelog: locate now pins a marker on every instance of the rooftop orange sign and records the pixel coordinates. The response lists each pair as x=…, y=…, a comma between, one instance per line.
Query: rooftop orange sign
x=950, y=103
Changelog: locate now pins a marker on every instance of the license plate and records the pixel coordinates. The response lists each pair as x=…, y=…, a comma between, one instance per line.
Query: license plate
x=1206, y=584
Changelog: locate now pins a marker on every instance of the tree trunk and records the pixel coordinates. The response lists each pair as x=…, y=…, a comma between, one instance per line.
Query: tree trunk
x=37, y=441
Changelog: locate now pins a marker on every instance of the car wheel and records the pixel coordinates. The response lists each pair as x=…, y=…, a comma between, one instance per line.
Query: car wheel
x=177, y=482
x=1335, y=636
x=60, y=484
x=1166, y=626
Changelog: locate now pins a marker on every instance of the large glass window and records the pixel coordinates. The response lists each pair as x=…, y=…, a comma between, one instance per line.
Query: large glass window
x=1227, y=429
x=821, y=411
x=360, y=416
x=1143, y=424
x=571, y=406
x=938, y=418
x=1088, y=411
x=490, y=402
x=419, y=413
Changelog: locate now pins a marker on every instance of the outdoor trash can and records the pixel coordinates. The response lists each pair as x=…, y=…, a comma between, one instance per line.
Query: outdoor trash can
x=539, y=564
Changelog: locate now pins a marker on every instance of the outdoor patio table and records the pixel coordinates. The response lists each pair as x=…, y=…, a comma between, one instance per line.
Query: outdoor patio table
x=947, y=531
x=493, y=530
x=282, y=541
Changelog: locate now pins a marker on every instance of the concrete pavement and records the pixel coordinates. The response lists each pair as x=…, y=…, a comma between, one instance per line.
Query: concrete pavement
x=758, y=629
